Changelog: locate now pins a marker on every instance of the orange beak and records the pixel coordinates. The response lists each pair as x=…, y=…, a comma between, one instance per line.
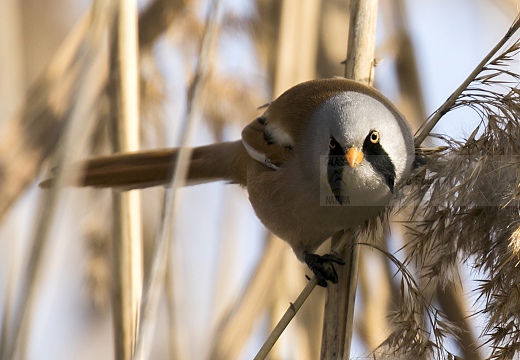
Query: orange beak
x=354, y=156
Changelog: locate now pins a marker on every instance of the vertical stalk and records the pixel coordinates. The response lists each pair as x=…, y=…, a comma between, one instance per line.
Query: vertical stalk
x=361, y=40
x=339, y=308
x=127, y=205
x=163, y=253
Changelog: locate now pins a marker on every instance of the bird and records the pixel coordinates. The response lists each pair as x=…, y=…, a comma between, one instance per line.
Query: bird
x=325, y=156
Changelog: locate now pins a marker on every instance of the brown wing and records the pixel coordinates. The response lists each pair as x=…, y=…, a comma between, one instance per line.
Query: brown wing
x=260, y=147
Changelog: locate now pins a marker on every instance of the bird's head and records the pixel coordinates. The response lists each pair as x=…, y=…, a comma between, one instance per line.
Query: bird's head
x=362, y=144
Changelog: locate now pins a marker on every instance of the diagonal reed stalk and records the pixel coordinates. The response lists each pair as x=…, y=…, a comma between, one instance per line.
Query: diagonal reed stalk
x=294, y=307
x=428, y=126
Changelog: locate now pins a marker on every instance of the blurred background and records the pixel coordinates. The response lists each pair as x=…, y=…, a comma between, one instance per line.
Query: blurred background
x=227, y=281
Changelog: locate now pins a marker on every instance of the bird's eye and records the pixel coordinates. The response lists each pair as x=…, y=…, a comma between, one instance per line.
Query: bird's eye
x=332, y=143
x=374, y=137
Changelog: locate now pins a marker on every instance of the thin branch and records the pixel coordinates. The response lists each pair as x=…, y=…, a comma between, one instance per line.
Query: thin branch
x=294, y=307
x=236, y=325
x=428, y=126
x=286, y=319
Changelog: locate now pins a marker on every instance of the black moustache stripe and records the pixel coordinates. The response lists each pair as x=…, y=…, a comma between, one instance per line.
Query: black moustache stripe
x=335, y=165
x=380, y=161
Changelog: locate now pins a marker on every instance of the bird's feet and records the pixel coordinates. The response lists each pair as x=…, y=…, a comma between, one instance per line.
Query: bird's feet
x=323, y=267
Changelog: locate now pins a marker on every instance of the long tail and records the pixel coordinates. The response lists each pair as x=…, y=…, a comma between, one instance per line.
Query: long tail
x=222, y=161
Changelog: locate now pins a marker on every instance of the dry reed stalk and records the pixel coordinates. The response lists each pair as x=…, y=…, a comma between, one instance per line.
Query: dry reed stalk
x=339, y=308
x=123, y=89
x=162, y=253
x=359, y=65
x=71, y=146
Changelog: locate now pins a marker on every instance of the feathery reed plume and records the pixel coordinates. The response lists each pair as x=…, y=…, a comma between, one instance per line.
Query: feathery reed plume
x=466, y=208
